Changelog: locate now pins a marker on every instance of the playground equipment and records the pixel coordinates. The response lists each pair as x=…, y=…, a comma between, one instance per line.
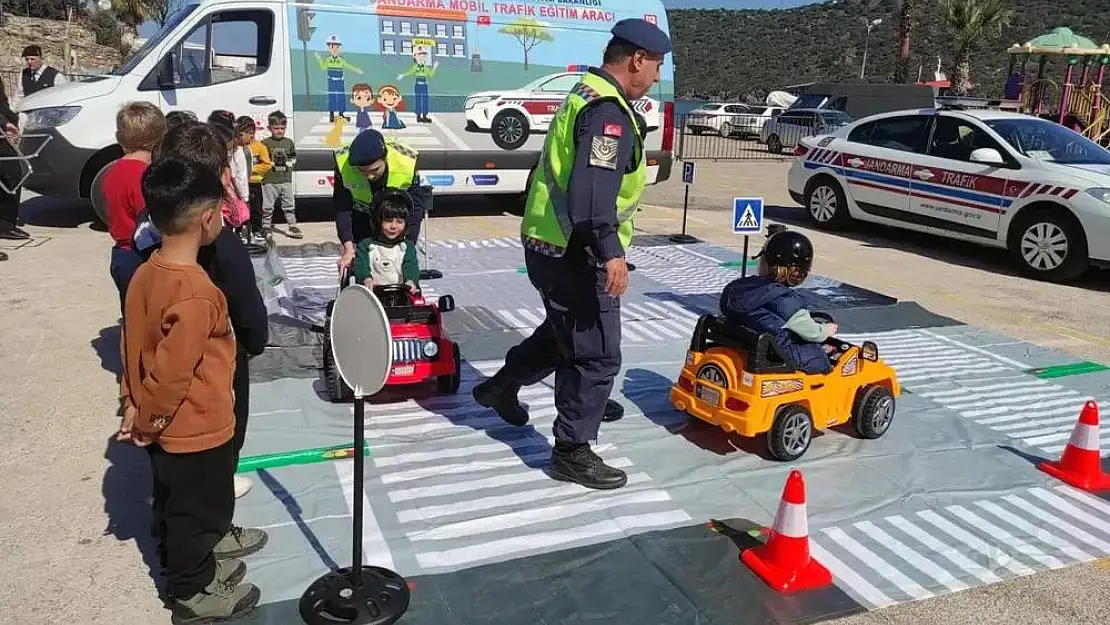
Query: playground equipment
x=1079, y=102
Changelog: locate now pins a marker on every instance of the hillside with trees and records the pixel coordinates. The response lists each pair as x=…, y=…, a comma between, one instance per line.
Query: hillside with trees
x=744, y=54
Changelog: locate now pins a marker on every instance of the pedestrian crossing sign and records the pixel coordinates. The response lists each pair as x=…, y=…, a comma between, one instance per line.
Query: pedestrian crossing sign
x=747, y=215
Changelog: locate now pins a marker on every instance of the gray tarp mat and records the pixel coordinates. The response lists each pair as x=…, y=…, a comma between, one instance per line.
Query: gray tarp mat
x=948, y=499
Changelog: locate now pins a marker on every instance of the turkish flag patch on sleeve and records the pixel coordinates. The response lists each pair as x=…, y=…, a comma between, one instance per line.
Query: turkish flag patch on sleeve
x=611, y=130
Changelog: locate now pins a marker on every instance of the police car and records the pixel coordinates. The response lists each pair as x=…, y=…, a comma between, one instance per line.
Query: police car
x=988, y=177
x=510, y=116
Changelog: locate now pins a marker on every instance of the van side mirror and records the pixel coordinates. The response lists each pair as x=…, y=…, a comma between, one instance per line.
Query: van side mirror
x=165, y=72
x=987, y=156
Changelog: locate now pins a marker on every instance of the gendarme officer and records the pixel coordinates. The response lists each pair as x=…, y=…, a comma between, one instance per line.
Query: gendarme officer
x=367, y=166
x=577, y=225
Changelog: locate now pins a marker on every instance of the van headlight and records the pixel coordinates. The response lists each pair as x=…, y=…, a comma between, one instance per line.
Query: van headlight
x=49, y=117
x=1100, y=193
x=431, y=349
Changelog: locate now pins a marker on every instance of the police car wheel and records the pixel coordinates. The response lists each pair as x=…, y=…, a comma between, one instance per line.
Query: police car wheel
x=825, y=203
x=774, y=144
x=791, y=433
x=1049, y=244
x=509, y=130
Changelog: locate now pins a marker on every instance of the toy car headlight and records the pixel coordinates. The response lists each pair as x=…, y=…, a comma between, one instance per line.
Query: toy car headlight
x=431, y=349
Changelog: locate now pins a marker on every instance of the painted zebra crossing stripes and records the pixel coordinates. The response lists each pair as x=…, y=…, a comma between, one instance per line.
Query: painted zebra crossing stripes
x=414, y=134
x=921, y=356
x=691, y=279
x=935, y=552
x=1036, y=412
x=641, y=322
x=495, y=242
x=464, y=499
x=320, y=272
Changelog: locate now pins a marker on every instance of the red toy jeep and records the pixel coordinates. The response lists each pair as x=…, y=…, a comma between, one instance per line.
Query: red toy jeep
x=421, y=348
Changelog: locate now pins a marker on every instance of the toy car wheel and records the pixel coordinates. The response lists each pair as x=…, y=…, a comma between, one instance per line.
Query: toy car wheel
x=450, y=383
x=509, y=130
x=791, y=433
x=874, y=412
x=338, y=391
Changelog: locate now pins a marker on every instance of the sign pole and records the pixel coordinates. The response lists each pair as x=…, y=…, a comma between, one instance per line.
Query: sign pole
x=744, y=267
x=688, y=178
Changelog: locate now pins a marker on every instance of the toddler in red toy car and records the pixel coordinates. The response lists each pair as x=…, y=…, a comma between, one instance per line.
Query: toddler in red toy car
x=386, y=258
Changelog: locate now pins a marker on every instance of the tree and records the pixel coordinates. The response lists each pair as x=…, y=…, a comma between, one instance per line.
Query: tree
x=905, y=31
x=529, y=33
x=132, y=12
x=161, y=10
x=972, y=21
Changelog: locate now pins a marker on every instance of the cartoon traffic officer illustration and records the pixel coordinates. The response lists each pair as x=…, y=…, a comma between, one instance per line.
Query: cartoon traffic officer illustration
x=422, y=71
x=334, y=66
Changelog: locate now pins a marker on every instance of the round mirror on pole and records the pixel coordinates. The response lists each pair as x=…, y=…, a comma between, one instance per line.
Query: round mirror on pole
x=363, y=352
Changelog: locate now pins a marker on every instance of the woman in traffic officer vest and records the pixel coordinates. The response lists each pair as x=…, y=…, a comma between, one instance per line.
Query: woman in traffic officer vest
x=369, y=165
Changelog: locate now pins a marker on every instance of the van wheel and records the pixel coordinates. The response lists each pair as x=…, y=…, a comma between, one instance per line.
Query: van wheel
x=791, y=433
x=874, y=411
x=826, y=204
x=774, y=144
x=1049, y=244
x=509, y=130
x=96, y=194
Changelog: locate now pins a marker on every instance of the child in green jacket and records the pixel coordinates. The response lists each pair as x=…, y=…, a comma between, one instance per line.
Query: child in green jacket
x=387, y=258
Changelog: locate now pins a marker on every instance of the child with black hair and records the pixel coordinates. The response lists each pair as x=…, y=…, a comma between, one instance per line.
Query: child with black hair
x=386, y=258
x=178, y=351
x=176, y=118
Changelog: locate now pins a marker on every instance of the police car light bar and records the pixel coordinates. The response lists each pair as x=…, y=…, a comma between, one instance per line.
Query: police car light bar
x=577, y=68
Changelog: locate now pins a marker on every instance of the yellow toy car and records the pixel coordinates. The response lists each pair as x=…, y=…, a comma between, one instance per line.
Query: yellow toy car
x=740, y=381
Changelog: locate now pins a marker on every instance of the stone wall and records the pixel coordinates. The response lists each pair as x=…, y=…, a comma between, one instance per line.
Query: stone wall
x=86, y=56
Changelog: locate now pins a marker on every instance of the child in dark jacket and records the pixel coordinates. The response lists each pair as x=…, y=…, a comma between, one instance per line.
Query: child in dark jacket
x=767, y=303
x=387, y=257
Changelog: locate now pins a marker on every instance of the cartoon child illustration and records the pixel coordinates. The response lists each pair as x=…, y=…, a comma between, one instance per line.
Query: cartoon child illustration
x=362, y=96
x=422, y=71
x=334, y=66
x=389, y=98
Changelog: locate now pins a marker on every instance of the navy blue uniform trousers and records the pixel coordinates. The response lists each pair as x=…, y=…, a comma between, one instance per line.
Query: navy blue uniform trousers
x=580, y=340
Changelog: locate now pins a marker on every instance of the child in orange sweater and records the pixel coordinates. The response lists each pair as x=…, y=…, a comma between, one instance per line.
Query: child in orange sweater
x=178, y=351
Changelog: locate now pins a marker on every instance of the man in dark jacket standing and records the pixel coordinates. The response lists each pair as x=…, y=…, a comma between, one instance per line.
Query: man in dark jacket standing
x=10, y=174
x=36, y=76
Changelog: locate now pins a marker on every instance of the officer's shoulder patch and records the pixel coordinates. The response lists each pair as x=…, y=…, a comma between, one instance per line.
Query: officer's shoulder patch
x=603, y=152
x=611, y=130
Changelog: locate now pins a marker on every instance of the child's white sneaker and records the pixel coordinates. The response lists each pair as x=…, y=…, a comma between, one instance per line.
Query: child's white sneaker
x=242, y=486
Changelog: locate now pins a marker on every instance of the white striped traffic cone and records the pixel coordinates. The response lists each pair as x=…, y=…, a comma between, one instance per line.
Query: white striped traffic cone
x=784, y=562
x=1081, y=463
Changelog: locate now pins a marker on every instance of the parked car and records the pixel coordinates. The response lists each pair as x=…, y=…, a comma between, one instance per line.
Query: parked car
x=786, y=130
x=751, y=122
x=993, y=178
x=711, y=116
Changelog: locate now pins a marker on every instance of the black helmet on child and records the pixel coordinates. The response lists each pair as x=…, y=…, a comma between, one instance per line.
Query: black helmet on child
x=788, y=249
x=391, y=203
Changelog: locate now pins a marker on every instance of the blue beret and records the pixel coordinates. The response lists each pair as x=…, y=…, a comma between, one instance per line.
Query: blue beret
x=643, y=34
x=368, y=147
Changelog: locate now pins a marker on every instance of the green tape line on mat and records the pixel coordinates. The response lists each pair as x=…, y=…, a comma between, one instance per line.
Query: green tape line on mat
x=298, y=456
x=522, y=270
x=1061, y=371
x=752, y=263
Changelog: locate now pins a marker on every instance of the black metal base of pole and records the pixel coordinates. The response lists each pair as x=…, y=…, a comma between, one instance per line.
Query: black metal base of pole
x=358, y=594
x=381, y=598
x=684, y=239
x=430, y=274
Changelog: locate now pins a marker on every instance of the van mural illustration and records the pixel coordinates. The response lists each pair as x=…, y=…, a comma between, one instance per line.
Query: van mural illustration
x=473, y=75
x=470, y=84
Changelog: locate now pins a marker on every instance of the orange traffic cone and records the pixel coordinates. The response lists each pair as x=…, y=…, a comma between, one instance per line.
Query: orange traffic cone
x=784, y=562
x=1081, y=463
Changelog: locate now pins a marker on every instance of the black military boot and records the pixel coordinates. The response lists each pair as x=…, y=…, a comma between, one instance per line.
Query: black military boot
x=613, y=411
x=576, y=462
x=499, y=393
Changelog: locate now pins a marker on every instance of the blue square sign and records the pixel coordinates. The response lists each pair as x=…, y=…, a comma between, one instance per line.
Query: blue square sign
x=747, y=215
x=688, y=172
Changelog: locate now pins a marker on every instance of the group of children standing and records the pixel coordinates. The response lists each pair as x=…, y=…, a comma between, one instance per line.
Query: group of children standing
x=192, y=318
